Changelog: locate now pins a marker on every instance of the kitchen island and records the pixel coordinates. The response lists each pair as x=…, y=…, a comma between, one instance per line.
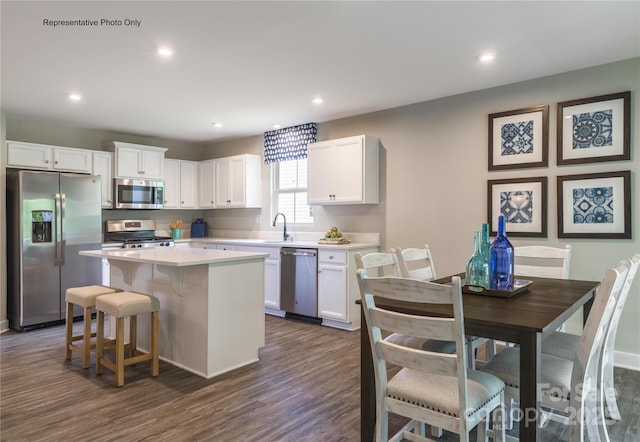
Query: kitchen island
x=211, y=303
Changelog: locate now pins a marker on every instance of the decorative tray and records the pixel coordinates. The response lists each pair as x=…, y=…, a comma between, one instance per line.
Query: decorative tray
x=334, y=241
x=519, y=286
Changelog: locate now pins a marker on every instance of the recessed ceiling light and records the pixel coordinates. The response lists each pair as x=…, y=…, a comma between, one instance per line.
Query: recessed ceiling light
x=317, y=100
x=217, y=124
x=276, y=126
x=165, y=51
x=486, y=57
x=74, y=96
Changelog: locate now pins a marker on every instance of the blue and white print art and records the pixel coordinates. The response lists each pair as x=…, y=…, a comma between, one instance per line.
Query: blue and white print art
x=289, y=143
x=517, y=138
x=593, y=129
x=517, y=207
x=593, y=205
x=522, y=202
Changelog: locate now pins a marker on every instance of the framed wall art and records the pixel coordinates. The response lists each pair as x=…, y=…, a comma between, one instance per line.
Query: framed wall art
x=519, y=138
x=595, y=205
x=594, y=129
x=522, y=202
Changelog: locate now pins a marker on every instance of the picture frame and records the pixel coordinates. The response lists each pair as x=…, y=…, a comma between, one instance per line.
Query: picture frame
x=522, y=202
x=595, y=205
x=519, y=138
x=595, y=129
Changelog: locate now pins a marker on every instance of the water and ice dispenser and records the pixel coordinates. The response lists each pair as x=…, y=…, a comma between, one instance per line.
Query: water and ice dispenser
x=41, y=226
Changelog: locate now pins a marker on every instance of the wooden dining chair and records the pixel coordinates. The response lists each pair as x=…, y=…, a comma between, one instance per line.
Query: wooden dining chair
x=565, y=345
x=386, y=264
x=542, y=261
x=569, y=388
x=417, y=263
x=430, y=388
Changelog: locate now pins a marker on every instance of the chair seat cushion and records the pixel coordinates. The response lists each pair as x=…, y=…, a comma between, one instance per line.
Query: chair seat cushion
x=422, y=344
x=440, y=393
x=86, y=296
x=562, y=345
x=555, y=375
x=127, y=304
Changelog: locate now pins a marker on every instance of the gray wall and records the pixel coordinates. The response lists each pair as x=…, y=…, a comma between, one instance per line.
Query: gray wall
x=433, y=174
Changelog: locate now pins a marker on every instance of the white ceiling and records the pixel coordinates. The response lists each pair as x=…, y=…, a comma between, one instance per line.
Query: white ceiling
x=252, y=64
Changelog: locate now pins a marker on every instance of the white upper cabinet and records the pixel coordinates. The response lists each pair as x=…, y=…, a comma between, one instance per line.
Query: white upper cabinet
x=206, y=180
x=45, y=157
x=180, y=184
x=238, y=181
x=343, y=171
x=138, y=161
x=102, y=162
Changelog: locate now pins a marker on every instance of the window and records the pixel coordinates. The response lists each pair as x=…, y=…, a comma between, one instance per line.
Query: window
x=290, y=191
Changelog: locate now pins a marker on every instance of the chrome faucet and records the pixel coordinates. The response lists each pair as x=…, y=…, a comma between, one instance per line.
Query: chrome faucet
x=285, y=236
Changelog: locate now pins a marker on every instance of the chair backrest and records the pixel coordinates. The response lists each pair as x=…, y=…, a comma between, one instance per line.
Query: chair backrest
x=610, y=338
x=378, y=263
x=542, y=261
x=416, y=263
x=585, y=377
x=378, y=318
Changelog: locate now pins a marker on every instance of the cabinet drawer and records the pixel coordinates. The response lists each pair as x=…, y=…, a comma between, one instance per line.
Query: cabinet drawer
x=332, y=257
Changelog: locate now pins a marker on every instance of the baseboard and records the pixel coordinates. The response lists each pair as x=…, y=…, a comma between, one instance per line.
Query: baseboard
x=4, y=326
x=630, y=361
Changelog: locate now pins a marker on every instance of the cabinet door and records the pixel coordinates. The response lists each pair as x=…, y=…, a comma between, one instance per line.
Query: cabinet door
x=171, y=184
x=206, y=178
x=31, y=156
x=72, y=160
x=152, y=164
x=128, y=162
x=223, y=177
x=332, y=292
x=348, y=167
x=319, y=173
x=237, y=181
x=188, y=184
x=102, y=166
x=272, y=283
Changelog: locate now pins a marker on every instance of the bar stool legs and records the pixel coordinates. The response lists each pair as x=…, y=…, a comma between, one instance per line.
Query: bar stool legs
x=86, y=298
x=120, y=306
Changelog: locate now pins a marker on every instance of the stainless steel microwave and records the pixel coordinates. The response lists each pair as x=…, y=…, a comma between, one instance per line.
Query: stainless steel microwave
x=138, y=194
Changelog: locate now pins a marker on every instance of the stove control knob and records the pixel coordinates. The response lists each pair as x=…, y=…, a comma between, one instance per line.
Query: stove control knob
x=139, y=245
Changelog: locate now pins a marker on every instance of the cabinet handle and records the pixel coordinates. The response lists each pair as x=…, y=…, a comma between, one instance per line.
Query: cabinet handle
x=55, y=162
x=330, y=256
x=181, y=202
x=46, y=161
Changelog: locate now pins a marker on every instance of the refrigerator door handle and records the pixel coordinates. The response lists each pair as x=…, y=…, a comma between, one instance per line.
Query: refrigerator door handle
x=63, y=245
x=57, y=229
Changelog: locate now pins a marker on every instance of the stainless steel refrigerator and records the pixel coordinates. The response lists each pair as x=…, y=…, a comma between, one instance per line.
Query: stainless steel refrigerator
x=50, y=218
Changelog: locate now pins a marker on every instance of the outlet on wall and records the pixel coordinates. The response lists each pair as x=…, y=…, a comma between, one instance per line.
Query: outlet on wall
x=257, y=219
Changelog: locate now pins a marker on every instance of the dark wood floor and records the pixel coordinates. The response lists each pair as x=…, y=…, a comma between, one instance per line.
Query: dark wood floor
x=305, y=388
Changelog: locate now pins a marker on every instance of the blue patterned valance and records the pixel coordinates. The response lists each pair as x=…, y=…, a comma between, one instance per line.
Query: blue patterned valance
x=289, y=143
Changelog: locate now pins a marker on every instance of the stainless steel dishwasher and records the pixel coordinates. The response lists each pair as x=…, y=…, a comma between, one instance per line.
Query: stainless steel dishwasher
x=299, y=283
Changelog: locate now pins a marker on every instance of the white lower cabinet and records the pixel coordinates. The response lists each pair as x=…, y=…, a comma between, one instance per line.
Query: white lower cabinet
x=332, y=285
x=338, y=288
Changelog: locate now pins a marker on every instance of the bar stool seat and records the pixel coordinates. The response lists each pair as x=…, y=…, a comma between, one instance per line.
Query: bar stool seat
x=85, y=297
x=120, y=306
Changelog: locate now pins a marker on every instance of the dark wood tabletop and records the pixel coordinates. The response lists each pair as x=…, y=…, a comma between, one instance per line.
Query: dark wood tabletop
x=524, y=319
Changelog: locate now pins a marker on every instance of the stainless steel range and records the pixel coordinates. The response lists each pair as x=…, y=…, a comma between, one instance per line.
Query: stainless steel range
x=135, y=233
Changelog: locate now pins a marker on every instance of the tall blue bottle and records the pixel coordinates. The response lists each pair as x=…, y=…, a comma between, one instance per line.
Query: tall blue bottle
x=501, y=260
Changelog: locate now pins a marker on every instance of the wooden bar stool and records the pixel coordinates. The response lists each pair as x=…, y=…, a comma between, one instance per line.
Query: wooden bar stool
x=120, y=306
x=86, y=298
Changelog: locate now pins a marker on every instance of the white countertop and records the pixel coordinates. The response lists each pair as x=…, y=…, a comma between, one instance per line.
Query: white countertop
x=277, y=243
x=174, y=256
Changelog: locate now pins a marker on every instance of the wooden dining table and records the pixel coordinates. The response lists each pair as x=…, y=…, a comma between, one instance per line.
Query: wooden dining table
x=525, y=319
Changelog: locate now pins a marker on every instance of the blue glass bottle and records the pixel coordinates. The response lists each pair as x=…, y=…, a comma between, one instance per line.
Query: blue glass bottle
x=477, y=267
x=501, y=260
